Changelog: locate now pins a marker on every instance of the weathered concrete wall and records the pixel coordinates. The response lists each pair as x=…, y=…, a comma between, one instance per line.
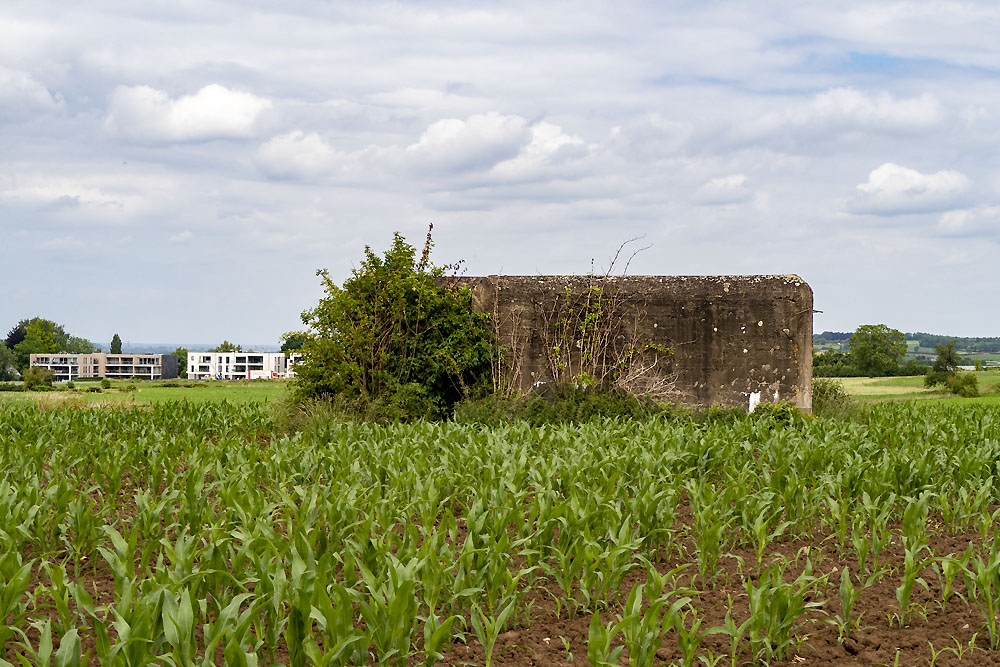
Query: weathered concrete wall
x=735, y=339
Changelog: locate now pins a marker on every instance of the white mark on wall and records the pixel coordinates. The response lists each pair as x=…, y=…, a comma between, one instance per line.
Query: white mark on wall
x=754, y=400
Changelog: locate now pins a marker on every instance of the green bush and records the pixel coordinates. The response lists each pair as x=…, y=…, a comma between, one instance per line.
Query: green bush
x=37, y=378
x=392, y=338
x=965, y=385
x=94, y=390
x=777, y=414
x=830, y=399
x=70, y=385
x=105, y=383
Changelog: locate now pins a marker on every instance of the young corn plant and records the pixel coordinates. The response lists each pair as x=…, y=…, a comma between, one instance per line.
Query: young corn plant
x=15, y=576
x=778, y=611
x=69, y=653
x=982, y=581
x=764, y=534
x=599, y=650
x=641, y=627
x=734, y=632
x=389, y=609
x=914, y=543
x=947, y=569
x=437, y=634
x=689, y=636
x=343, y=643
x=847, y=623
x=488, y=627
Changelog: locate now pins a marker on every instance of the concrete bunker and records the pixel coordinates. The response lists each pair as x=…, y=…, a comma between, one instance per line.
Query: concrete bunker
x=735, y=340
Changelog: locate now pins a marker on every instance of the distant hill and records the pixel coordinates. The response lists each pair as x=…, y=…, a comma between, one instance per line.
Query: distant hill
x=168, y=348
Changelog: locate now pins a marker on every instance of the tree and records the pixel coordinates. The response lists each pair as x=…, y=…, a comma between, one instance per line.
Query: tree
x=41, y=336
x=293, y=340
x=226, y=346
x=833, y=363
x=945, y=366
x=182, y=361
x=8, y=364
x=876, y=349
x=392, y=337
x=116, y=345
x=17, y=334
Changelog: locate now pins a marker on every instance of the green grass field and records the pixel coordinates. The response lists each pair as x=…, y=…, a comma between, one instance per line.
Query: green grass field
x=237, y=392
x=912, y=388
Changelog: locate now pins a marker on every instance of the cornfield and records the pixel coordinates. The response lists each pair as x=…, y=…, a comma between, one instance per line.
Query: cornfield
x=198, y=535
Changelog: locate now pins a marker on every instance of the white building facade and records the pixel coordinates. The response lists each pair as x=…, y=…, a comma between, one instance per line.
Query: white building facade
x=235, y=365
x=293, y=359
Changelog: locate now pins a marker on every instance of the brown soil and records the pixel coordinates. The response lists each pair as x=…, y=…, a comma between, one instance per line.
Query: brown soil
x=955, y=629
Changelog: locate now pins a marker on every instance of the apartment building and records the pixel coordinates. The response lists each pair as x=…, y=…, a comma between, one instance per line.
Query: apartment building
x=235, y=365
x=112, y=366
x=65, y=366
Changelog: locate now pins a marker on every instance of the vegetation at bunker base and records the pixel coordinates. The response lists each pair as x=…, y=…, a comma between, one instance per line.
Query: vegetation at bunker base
x=186, y=534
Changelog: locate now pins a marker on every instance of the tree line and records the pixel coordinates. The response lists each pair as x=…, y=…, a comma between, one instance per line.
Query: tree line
x=967, y=344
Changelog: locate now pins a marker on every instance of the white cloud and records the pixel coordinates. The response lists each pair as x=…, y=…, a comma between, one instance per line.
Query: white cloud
x=549, y=146
x=59, y=193
x=21, y=95
x=971, y=221
x=724, y=190
x=215, y=112
x=297, y=154
x=892, y=189
x=836, y=112
x=181, y=237
x=848, y=106
x=474, y=144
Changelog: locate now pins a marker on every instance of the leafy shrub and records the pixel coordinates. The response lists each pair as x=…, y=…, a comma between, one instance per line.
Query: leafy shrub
x=963, y=384
x=12, y=386
x=94, y=390
x=37, y=378
x=105, y=383
x=70, y=385
x=718, y=414
x=830, y=399
x=393, y=338
x=777, y=414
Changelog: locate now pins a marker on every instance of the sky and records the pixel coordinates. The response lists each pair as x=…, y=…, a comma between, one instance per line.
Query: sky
x=179, y=170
